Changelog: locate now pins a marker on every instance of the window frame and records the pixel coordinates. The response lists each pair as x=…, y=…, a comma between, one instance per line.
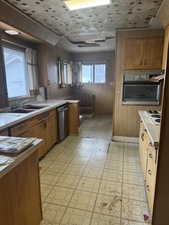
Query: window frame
x=93, y=75
x=21, y=49
x=88, y=64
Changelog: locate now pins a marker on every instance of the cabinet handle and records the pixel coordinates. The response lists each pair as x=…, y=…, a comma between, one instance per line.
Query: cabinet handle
x=43, y=116
x=149, y=172
x=142, y=136
x=148, y=188
x=150, y=156
x=45, y=125
x=150, y=144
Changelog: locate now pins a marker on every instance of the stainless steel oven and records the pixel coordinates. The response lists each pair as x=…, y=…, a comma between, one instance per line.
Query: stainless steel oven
x=140, y=89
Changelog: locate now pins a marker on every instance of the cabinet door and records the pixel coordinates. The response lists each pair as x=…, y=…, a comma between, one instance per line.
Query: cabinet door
x=151, y=175
x=153, y=51
x=40, y=131
x=20, y=194
x=37, y=131
x=143, y=148
x=133, y=55
x=74, y=122
x=4, y=133
x=52, y=134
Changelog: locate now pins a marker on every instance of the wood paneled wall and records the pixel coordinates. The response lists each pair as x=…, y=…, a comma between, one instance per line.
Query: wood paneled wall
x=165, y=50
x=48, y=55
x=103, y=92
x=125, y=117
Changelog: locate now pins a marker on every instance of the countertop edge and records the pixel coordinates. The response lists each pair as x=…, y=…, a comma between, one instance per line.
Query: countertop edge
x=37, y=112
x=154, y=141
x=21, y=157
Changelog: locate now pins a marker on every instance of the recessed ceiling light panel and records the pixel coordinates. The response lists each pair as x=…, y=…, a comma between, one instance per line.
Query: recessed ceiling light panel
x=12, y=32
x=81, y=4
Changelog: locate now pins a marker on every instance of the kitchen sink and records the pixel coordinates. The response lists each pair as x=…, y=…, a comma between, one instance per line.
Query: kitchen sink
x=27, y=108
x=22, y=110
x=34, y=107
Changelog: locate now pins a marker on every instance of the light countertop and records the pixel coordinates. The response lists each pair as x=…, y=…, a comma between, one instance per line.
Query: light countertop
x=10, y=119
x=11, y=162
x=152, y=129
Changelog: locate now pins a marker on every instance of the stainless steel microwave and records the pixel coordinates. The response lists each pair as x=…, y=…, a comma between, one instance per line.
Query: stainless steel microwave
x=140, y=89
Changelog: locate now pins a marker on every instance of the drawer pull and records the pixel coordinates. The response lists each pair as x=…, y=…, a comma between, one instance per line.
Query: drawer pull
x=45, y=125
x=150, y=156
x=149, y=172
x=148, y=188
x=43, y=116
x=142, y=136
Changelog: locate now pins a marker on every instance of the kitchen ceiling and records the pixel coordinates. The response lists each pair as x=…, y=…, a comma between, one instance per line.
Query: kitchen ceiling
x=91, y=29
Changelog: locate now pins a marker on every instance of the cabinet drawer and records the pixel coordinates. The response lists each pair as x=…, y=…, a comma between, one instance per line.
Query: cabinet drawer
x=4, y=132
x=52, y=113
x=143, y=148
x=24, y=126
x=19, y=128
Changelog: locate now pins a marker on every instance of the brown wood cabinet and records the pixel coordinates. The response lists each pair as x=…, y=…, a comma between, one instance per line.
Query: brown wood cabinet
x=74, y=122
x=143, y=53
x=43, y=126
x=20, y=194
x=148, y=159
x=130, y=55
x=52, y=131
x=47, y=61
x=4, y=132
x=151, y=175
x=143, y=146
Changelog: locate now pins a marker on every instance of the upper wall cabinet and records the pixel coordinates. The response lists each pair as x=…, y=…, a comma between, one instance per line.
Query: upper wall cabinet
x=47, y=66
x=143, y=53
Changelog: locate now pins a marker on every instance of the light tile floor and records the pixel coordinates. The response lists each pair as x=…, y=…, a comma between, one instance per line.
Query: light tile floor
x=92, y=181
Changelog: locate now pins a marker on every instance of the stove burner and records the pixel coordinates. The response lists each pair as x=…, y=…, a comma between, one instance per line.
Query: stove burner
x=158, y=120
x=156, y=116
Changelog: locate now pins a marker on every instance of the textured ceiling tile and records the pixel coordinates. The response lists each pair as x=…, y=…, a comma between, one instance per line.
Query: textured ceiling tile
x=86, y=24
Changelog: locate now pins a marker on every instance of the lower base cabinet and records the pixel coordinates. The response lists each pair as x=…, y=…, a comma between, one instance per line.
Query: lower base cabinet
x=52, y=134
x=151, y=176
x=20, y=200
x=74, y=122
x=148, y=159
x=4, y=132
x=43, y=126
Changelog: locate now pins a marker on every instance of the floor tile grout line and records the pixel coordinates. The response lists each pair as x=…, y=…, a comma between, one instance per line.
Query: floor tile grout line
x=89, y=192
x=100, y=180
x=94, y=206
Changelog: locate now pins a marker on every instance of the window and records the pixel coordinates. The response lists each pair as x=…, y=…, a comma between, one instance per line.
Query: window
x=100, y=73
x=67, y=74
x=87, y=73
x=15, y=67
x=93, y=73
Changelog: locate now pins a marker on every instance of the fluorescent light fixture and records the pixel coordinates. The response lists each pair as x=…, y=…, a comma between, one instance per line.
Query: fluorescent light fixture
x=12, y=32
x=81, y=4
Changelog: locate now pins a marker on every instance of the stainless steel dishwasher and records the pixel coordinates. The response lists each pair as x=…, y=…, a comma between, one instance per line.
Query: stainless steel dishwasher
x=63, y=122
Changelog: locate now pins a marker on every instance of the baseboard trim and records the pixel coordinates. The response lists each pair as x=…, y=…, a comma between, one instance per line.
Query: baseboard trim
x=125, y=139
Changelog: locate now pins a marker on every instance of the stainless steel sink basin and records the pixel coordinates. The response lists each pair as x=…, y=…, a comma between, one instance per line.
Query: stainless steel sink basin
x=22, y=110
x=28, y=108
x=33, y=107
